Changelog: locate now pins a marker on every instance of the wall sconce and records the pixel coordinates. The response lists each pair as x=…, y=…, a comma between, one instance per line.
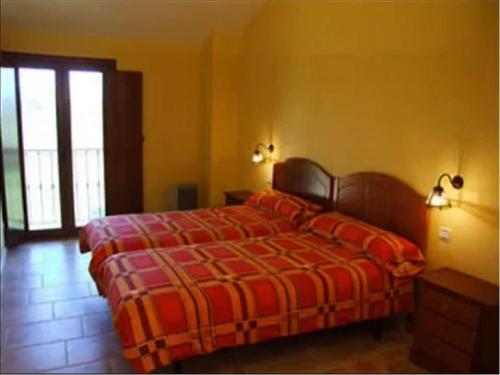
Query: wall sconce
x=258, y=157
x=437, y=196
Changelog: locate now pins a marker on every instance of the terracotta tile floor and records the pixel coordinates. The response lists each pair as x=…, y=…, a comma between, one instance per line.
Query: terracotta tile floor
x=53, y=321
x=51, y=318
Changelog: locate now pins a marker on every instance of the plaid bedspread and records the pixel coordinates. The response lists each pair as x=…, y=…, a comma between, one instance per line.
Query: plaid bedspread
x=123, y=233
x=171, y=304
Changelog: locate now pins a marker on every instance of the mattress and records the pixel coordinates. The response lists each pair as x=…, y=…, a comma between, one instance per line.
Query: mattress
x=125, y=233
x=174, y=303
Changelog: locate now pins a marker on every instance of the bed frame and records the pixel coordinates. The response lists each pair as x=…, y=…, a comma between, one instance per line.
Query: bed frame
x=376, y=198
x=306, y=179
x=385, y=202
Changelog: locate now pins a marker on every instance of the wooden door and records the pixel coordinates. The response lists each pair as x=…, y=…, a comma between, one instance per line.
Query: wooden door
x=11, y=176
x=42, y=149
x=123, y=143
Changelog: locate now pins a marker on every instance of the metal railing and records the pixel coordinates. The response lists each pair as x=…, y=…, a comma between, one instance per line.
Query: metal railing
x=42, y=186
x=88, y=184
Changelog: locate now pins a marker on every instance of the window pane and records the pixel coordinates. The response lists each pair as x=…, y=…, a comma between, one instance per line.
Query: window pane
x=86, y=101
x=38, y=110
x=10, y=144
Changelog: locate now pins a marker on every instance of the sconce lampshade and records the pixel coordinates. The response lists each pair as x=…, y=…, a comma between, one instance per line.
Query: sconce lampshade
x=437, y=196
x=258, y=156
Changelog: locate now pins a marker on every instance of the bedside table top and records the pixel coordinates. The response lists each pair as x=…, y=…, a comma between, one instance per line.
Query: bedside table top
x=239, y=194
x=462, y=284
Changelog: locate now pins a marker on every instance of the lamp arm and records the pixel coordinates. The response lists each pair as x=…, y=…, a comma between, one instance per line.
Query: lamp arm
x=269, y=149
x=441, y=177
x=457, y=182
x=259, y=145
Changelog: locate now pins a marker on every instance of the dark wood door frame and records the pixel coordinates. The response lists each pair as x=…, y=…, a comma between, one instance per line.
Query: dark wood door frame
x=32, y=60
x=61, y=65
x=65, y=158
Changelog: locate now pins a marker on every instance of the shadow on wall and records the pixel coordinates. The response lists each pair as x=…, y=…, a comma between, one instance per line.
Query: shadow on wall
x=486, y=214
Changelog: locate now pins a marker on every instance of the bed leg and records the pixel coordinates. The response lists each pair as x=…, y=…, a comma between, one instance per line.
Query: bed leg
x=378, y=329
x=177, y=367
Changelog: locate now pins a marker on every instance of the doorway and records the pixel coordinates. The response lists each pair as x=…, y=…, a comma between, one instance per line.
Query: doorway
x=52, y=138
x=71, y=144
x=62, y=190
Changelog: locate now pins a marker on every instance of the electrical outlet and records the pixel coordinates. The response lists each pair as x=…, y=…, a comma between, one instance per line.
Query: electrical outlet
x=444, y=234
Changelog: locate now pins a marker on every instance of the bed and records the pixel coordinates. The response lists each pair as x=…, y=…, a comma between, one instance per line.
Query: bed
x=301, y=179
x=357, y=263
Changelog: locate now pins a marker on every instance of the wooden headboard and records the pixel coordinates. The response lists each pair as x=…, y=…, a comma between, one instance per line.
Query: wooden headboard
x=385, y=202
x=306, y=179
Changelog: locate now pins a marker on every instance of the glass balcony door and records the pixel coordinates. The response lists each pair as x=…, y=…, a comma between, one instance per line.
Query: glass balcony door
x=86, y=103
x=11, y=159
x=40, y=147
x=52, y=149
x=38, y=107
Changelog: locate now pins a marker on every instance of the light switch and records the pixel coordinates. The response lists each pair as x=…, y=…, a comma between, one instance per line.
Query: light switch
x=444, y=234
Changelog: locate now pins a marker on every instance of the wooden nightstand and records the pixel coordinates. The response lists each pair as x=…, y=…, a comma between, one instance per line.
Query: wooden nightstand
x=237, y=197
x=456, y=326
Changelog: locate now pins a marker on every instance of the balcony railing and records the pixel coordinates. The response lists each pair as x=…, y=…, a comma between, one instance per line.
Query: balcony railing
x=42, y=189
x=42, y=186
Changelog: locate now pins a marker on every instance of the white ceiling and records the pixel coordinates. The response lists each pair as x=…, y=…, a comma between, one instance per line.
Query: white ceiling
x=167, y=20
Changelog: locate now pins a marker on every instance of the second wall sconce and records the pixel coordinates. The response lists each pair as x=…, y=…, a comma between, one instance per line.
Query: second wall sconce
x=437, y=196
x=258, y=156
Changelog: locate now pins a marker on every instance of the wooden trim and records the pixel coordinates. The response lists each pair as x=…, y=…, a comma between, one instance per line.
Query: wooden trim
x=386, y=202
x=64, y=149
x=51, y=234
x=306, y=179
x=105, y=126
x=61, y=65
x=21, y=148
x=123, y=143
x=4, y=201
x=20, y=59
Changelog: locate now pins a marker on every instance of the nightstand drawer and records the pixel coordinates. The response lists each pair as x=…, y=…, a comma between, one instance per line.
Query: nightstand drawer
x=450, y=357
x=445, y=329
x=456, y=328
x=451, y=307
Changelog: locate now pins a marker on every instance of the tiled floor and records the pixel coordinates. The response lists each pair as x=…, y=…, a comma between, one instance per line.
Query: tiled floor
x=52, y=320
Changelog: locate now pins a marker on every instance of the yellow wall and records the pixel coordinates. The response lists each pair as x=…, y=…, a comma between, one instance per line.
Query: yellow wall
x=172, y=100
x=206, y=90
x=221, y=85
x=406, y=88
x=223, y=71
